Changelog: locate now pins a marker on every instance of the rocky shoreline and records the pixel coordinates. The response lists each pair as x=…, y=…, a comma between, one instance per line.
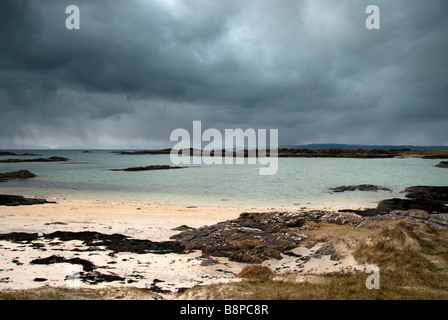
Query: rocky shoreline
x=306, y=153
x=430, y=199
x=26, y=154
x=282, y=240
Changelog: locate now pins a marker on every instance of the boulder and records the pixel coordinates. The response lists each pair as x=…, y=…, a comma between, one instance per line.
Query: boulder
x=21, y=174
x=442, y=164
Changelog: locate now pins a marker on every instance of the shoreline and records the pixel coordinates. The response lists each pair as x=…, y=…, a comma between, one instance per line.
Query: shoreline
x=353, y=203
x=138, y=251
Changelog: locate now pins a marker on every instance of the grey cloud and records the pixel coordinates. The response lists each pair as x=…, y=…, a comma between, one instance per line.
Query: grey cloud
x=138, y=69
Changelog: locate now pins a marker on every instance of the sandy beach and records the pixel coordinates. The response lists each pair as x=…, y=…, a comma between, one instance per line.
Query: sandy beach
x=163, y=273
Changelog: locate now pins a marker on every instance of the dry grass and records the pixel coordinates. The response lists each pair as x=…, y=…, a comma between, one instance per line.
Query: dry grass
x=412, y=258
x=256, y=272
x=60, y=293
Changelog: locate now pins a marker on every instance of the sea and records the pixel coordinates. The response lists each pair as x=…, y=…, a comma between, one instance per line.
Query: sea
x=299, y=182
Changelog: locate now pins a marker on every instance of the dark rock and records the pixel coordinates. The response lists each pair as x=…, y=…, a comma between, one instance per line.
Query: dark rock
x=154, y=288
x=86, y=265
x=254, y=237
x=114, y=242
x=361, y=187
x=182, y=228
x=96, y=277
x=40, y=279
x=147, y=168
x=51, y=159
x=439, y=194
x=306, y=153
x=143, y=152
x=17, y=262
x=208, y=261
x=389, y=205
x=21, y=174
x=428, y=198
x=2, y=153
x=19, y=237
x=14, y=200
x=328, y=249
x=55, y=223
x=5, y=153
x=442, y=164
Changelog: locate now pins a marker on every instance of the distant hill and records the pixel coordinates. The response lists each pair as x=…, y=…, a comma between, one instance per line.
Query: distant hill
x=325, y=146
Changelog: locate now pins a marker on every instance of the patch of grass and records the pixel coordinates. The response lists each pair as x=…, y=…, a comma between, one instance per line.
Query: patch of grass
x=60, y=293
x=330, y=287
x=256, y=272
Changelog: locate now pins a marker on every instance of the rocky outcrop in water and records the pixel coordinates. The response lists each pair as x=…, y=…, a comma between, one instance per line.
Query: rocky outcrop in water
x=50, y=159
x=442, y=164
x=143, y=152
x=307, y=153
x=431, y=199
x=5, y=153
x=21, y=174
x=438, y=194
x=148, y=168
x=360, y=187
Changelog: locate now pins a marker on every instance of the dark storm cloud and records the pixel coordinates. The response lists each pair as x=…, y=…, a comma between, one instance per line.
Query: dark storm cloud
x=138, y=69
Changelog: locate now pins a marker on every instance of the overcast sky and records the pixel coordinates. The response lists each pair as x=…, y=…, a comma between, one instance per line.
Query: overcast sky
x=136, y=70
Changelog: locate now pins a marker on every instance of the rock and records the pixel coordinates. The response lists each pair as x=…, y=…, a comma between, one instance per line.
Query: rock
x=143, y=152
x=254, y=237
x=389, y=205
x=96, y=277
x=182, y=228
x=86, y=265
x=360, y=187
x=21, y=174
x=152, y=167
x=3, y=153
x=115, y=242
x=439, y=194
x=328, y=249
x=431, y=199
x=51, y=159
x=442, y=164
x=306, y=153
x=14, y=200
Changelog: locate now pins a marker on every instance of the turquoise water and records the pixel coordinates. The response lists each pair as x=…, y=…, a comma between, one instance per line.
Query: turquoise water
x=299, y=182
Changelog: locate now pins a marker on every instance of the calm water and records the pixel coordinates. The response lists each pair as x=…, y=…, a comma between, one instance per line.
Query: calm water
x=299, y=182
